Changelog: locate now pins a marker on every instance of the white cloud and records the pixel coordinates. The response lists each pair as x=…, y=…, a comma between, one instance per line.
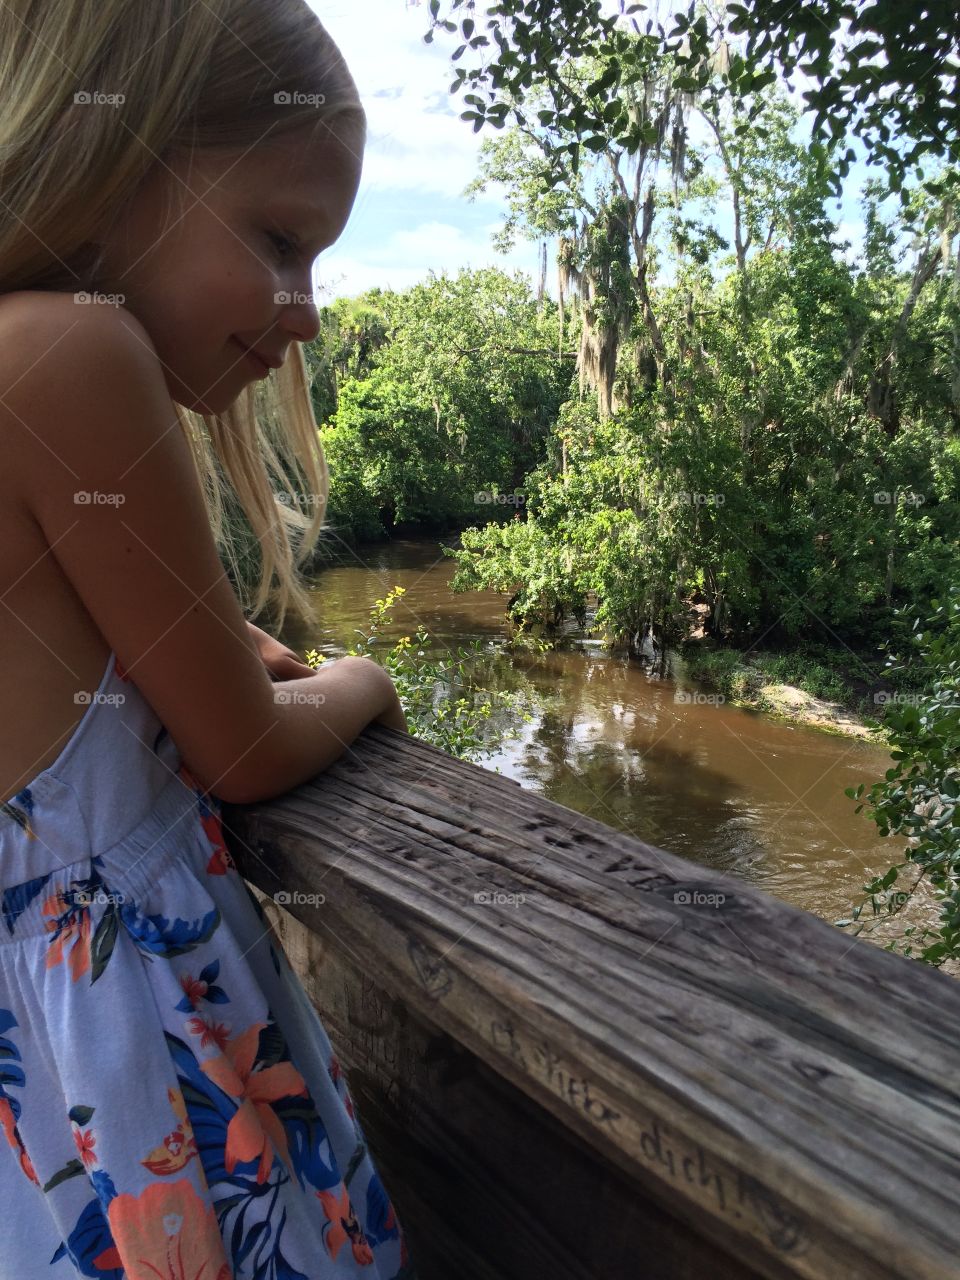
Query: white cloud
x=416, y=139
x=406, y=256
x=419, y=155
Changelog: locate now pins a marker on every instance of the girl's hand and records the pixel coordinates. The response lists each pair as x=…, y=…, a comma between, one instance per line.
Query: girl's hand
x=393, y=717
x=281, y=662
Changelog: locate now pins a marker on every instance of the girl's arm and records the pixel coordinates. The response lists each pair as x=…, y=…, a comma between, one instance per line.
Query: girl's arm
x=122, y=511
x=282, y=663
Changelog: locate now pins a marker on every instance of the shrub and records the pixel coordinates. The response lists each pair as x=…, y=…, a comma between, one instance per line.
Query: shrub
x=440, y=700
x=917, y=799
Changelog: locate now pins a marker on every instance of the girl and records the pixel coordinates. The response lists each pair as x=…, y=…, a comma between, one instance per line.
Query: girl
x=170, y=1100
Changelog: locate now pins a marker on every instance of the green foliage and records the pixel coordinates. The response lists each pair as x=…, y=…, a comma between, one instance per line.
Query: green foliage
x=442, y=701
x=402, y=469
x=517, y=557
x=443, y=397
x=740, y=676
x=720, y=669
x=917, y=799
x=886, y=70
x=774, y=434
x=811, y=676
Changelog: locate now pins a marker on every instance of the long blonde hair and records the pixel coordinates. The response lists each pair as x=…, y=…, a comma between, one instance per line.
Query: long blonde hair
x=205, y=75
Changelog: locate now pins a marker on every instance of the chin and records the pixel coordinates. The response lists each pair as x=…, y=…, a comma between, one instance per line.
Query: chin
x=209, y=406
x=215, y=401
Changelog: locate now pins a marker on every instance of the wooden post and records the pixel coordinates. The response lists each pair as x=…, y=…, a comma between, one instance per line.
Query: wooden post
x=613, y=1063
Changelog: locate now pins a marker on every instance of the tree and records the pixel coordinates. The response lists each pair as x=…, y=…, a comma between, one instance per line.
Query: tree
x=757, y=459
x=442, y=393
x=884, y=69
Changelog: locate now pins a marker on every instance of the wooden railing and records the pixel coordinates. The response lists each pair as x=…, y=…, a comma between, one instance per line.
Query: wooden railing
x=614, y=1064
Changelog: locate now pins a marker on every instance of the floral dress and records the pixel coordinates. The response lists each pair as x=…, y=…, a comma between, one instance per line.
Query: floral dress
x=170, y=1101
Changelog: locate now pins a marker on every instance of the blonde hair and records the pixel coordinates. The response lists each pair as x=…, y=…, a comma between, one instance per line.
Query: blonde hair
x=193, y=76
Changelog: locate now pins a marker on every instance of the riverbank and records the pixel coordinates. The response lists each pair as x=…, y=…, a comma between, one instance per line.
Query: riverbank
x=832, y=691
x=791, y=703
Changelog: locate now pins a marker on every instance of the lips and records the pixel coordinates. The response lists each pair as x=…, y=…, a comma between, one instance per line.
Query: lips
x=263, y=364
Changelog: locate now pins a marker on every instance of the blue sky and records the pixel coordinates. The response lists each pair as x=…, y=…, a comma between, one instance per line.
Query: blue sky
x=410, y=214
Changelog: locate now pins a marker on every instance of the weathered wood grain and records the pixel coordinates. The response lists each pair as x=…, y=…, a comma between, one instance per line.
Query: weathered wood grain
x=720, y=1085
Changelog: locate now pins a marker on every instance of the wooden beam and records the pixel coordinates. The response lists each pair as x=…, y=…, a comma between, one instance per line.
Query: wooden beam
x=618, y=1064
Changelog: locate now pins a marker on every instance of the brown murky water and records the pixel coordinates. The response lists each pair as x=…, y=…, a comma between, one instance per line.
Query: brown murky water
x=731, y=789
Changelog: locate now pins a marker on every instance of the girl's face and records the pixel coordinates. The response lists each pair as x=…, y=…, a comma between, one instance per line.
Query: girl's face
x=231, y=269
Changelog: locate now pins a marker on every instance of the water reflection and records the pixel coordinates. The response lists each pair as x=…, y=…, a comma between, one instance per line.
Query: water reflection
x=730, y=789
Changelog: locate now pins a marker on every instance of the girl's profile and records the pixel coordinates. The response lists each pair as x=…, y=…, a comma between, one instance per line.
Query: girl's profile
x=170, y=1101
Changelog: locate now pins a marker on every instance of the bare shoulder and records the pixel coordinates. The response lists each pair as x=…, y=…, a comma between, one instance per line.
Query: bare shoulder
x=107, y=476
x=35, y=324
x=60, y=357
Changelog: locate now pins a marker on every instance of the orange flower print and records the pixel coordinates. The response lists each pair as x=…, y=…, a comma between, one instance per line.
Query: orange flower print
x=254, y=1131
x=209, y=1031
x=165, y=1233
x=71, y=929
x=201, y=988
x=85, y=1142
x=344, y=1226
x=178, y=1146
x=9, y=1126
x=220, y=860
x=193, y=989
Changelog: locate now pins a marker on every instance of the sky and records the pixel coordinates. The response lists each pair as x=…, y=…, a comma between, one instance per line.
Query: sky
x=410, y=214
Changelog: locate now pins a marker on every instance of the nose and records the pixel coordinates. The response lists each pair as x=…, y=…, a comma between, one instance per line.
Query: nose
x=299, y=315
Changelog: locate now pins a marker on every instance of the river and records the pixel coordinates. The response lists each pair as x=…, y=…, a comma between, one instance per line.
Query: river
x=731, y=789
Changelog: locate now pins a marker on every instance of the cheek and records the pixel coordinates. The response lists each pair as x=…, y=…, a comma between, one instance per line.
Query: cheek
x=224, y=256
x=226, y=291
